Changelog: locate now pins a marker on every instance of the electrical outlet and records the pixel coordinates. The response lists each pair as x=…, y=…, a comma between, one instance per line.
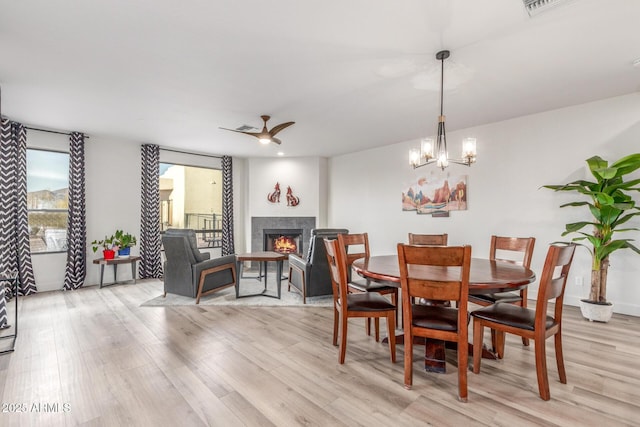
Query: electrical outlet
x=579, y=281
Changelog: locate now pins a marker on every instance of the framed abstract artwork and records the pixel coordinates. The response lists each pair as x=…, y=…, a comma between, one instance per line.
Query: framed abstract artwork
x=436, y=195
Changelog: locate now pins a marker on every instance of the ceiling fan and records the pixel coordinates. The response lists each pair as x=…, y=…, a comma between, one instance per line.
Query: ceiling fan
x=265, y=136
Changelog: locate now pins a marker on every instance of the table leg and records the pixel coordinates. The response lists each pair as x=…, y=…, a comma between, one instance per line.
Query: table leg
x=239, y=266
x=279, y=272
x=115, y=273
x=434, y=356
x=101, y=274
x=264, y=265
x=133, y=272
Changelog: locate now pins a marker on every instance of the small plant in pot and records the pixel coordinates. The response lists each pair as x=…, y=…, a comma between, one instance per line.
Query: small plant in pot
x=124, y=241
x=107, y=247
x=610, y=206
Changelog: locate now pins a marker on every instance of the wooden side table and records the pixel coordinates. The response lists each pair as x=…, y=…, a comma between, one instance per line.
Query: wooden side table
x=263, y=258
x=115, y=262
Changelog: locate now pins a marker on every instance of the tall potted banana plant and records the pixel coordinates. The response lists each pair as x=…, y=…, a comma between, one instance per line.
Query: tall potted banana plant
x=611, y=206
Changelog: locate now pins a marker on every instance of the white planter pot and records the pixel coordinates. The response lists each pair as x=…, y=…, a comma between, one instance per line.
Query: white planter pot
x=596, y=312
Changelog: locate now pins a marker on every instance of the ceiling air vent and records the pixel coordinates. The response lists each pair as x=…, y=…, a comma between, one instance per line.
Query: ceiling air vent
x=245, y=128
x=535, y=7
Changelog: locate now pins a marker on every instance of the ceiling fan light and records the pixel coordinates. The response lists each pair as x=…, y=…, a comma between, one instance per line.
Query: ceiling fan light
x=265, y=140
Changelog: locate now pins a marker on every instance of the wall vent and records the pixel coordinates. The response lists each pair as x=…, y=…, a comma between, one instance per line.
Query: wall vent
x=535, y=7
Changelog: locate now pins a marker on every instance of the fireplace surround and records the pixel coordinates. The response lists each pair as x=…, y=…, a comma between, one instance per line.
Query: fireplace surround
x=279, y=224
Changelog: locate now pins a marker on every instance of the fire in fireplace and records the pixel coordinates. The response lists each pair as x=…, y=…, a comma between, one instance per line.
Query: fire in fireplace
x=285, y=245
x=283, y=241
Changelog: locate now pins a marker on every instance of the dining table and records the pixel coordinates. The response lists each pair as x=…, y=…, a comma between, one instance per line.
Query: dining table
x=485, y=276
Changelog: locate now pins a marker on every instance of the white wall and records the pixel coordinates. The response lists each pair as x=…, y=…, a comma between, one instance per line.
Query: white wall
x=112, y=169
x=515, y=158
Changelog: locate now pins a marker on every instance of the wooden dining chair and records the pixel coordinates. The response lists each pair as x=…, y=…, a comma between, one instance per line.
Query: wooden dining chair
x=533, y=324
x=435, y=321
x=361, y=244
x=346, y=305
x=517, y=250
x=428, y=239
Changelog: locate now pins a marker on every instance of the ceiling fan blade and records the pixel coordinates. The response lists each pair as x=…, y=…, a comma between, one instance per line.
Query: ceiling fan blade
x=256, y=134
x=274, y=130
x=276, y=140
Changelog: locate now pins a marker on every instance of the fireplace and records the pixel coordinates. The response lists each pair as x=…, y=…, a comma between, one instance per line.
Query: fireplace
x=301, y=224
x=296, y=228
x=285, y=241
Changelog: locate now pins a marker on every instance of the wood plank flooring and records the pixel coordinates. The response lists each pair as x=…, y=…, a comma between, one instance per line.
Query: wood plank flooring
x=94, y=357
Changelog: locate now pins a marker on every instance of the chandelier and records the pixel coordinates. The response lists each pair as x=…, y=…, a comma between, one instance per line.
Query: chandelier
x=436, y=151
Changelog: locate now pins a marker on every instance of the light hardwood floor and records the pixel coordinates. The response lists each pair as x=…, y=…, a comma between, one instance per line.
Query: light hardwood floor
x=94, y=357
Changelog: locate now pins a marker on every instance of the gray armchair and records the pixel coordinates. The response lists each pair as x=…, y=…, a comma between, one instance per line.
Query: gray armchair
x=191, y=273
x=310, y=275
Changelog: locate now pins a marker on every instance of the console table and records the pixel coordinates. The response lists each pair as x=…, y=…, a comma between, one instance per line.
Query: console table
x=115, y=262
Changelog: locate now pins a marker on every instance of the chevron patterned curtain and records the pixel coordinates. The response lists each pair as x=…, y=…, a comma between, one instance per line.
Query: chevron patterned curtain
x=228, y=246
x=150, y=243
x=76, y=269
x=15, y=254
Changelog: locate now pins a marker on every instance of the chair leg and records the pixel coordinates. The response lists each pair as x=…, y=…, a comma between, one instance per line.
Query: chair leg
x=367, y=326
x=336, y=319
x=463, y=367
x=394, y=301
x=376, y=323
x=541, y=368
x=494, y=344
x=500, y=335
x=478, y=332
x=560, y=358
x=343, y=337
x=523, y=303
x=391, y=327
x=408, y=360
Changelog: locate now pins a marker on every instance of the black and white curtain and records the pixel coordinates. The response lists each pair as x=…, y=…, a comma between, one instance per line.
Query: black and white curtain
x=15, y=255
x=76, y=268
x=228, y=246
x=150, y=243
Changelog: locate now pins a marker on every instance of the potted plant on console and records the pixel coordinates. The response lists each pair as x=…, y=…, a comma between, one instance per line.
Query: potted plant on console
x=611, y=207
x=107, y=247
x=124, y=241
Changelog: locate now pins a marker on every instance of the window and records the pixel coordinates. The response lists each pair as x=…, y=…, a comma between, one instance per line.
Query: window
x=191, y=197
x=47, y=200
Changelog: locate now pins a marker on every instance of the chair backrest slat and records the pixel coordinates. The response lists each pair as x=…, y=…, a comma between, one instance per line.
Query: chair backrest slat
x=428, y=239
x=350, y=242
x=518, y=250
x=360, y=241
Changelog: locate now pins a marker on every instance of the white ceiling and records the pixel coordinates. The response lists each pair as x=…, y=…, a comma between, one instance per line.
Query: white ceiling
x=172, y=72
